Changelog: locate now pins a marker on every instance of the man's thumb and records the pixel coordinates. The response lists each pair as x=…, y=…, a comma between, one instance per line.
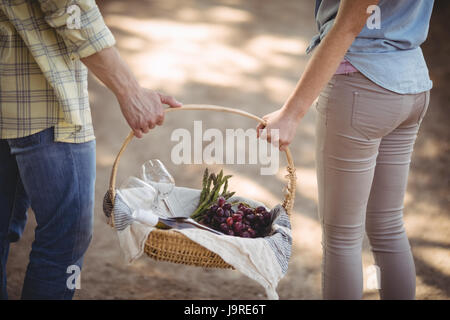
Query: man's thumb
x=171, y=101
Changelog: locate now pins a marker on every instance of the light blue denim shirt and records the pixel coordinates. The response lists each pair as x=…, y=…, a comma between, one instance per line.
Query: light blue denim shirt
x=391, y=55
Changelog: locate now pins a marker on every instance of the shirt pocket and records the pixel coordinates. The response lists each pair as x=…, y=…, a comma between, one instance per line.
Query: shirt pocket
x=375, y=114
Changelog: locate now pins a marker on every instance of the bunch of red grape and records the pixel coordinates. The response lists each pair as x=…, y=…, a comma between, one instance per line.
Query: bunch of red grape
x=245, y=222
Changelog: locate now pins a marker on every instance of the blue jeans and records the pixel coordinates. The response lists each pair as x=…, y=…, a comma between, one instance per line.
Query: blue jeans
x=57, y=180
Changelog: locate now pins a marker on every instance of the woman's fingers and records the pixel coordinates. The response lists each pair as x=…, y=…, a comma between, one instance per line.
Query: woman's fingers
x=259, y=128
x=265, y=134
x=279, y=129
x=268, y=136
x=272, y=136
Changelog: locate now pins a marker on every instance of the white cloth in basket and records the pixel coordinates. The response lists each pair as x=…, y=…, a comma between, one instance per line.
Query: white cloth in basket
x=264, y=260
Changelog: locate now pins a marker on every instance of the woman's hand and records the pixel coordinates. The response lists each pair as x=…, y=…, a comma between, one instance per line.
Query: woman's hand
x=285, y=122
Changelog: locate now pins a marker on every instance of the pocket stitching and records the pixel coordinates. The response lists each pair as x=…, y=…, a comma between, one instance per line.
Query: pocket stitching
x=353, y=118
x=354, y=122
x=324, y=113
x=424, y=108
x=25, y=142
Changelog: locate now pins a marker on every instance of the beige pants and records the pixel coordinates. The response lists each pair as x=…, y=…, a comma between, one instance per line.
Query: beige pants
x=365, y=137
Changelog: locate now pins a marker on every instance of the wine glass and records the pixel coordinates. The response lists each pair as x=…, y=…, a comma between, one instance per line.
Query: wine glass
x=155, y=173
x=137, y=193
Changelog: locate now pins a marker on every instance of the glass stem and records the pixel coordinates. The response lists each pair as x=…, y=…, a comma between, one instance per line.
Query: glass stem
x=156, y=202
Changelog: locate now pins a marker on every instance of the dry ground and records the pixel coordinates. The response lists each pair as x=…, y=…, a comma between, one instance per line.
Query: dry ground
x=243, y=54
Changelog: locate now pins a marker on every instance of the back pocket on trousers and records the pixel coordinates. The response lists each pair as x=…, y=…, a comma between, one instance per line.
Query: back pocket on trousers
x=425, y=107
x=375, y=114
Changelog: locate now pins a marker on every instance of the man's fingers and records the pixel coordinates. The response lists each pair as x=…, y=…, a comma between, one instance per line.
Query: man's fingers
x=150, y=124
x=160, y=119
x=171, y=101
x=137, y=133
x=144, y=128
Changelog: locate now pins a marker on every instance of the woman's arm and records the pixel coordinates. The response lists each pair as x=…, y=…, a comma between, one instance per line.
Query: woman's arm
x=351, y=17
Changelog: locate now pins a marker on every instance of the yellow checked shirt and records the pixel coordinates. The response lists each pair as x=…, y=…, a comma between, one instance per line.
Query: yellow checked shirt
x=42, y=80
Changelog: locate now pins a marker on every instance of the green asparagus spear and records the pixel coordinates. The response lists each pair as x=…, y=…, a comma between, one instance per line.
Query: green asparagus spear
x=212, y=186
x=211, y=197
x=204, y=183
x=225, y=187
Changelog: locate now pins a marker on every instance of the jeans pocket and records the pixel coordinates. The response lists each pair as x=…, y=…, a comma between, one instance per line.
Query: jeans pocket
x=24, y=142
x=375, y=114
x=30, y=142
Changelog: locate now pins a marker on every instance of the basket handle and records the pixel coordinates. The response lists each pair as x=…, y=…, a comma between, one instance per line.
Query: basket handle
x=291, y=184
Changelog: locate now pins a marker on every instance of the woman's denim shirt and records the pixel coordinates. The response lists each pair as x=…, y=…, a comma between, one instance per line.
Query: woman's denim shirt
x=389, y=53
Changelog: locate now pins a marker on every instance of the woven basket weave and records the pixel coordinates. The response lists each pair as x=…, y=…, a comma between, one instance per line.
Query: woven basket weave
x=172, y=246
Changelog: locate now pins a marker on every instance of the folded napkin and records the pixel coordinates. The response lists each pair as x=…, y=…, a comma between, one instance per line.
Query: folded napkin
x=264, y=260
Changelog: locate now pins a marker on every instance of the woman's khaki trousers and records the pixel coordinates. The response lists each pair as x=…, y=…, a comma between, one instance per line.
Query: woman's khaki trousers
x=365, y=137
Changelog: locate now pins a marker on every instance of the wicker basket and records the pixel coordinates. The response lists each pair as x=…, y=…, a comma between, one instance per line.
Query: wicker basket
x=172, y=246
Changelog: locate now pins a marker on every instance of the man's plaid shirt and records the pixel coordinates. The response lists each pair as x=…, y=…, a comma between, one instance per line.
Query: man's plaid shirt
x=42, y=80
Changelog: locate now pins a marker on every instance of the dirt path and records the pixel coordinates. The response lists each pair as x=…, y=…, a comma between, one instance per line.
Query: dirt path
x=246, y=55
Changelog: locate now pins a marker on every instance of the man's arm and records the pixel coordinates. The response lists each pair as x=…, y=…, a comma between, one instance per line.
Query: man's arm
x=93, y=43
x=141, y=107
x=350, y=20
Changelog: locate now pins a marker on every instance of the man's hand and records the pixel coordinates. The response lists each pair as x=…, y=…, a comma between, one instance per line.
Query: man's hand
x=142, y=108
